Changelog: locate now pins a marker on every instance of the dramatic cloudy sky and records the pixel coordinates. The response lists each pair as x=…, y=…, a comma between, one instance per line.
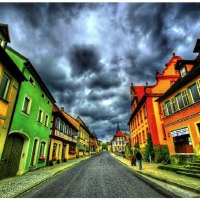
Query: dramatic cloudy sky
x=88, y=54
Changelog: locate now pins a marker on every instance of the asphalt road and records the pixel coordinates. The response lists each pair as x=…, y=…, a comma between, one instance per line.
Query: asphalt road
x=100, y=176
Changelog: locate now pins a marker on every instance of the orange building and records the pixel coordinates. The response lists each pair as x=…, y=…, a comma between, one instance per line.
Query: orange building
x=145, y=117
x=181, y=108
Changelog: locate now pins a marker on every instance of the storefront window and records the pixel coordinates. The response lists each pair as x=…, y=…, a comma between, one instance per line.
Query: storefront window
x=182, y=141
x=54, y=150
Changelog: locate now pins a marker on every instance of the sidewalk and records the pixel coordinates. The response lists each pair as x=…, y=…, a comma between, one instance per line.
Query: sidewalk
x=14, y=186
x=192, y=185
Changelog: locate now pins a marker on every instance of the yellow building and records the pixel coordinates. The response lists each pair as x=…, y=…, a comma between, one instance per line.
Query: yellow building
x=10, y=80
x=109, y=146
x=64, y=137
x=99, y=148
x=84, y=138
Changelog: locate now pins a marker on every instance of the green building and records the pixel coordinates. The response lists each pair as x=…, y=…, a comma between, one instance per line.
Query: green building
x=27, y=143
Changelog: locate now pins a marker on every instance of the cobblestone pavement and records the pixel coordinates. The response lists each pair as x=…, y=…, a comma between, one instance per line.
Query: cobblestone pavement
x=13, y=186
x=183, y=186
x=101, y=176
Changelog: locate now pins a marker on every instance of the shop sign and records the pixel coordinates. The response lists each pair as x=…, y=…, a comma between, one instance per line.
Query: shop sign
x=179, y=132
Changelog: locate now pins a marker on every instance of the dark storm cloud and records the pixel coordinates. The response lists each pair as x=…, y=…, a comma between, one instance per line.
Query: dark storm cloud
x=84, y=59
x=104, y=81
x=89, y=53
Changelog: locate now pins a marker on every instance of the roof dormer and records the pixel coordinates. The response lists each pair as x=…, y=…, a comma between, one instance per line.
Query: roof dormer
x=4, y=35
x=184, y=67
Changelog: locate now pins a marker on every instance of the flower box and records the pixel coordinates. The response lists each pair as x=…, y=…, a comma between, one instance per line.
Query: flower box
x=41, y=159
x=72, y=152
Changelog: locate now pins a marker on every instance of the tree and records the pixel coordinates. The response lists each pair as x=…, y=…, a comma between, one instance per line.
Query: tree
x=104, y=146
x=149, y=153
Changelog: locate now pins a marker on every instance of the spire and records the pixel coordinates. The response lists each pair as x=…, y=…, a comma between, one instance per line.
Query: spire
x=118, y=126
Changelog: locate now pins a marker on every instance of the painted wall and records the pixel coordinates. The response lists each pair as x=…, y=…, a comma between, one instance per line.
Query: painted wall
x=27, y=124
x=6, y=107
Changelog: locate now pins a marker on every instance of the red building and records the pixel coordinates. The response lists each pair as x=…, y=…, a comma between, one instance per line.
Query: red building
x=145, y=117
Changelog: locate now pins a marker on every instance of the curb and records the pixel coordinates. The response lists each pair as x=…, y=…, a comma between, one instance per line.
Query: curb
x=45, y=180
x=168, y=181
x=151, y=183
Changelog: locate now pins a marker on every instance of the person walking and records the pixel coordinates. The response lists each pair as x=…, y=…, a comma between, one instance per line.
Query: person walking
x=139, y=159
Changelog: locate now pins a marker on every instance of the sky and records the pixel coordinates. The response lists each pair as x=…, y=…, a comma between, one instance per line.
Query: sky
x=88, y=54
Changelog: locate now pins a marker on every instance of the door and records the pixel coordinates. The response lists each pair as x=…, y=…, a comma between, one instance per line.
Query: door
x=63, y=151
x=9, y=164
x=33, y=152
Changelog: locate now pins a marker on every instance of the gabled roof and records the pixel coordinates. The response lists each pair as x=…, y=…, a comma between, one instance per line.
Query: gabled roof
x=181, y=82
x=82, y=123
x=35, y=73
x=71, y=119
x=10, y=65
x=5, y=32
x=64, y=116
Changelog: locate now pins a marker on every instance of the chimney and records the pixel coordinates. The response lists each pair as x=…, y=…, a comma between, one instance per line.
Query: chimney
x=62, y=109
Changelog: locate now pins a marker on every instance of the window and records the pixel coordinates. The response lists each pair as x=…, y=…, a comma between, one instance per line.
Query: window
x=40, y=115
x=174, y=104
x=48, y=102
x=195, y=91
x=5, y=82
x=26, y=105
x=31, y=81
x=42, y=147
x=169, y=108
x=185, y=97
x=164, y=110
x=43, y=95
x=183, y=71
x=180, y=101
x=46, y=120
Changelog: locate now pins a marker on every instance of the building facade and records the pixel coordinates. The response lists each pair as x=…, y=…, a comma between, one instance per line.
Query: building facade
x=64, y=135
x=31, y=122
x=84, y=138
x=10, y=82
x=181, y=109
x=145, y=117
x=119, y=141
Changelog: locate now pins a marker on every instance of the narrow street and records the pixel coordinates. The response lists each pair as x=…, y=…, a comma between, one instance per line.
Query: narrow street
x=98, y=177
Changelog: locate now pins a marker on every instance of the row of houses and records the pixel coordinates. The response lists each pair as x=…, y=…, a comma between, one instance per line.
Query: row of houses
x=169, y=110
x=34, y=131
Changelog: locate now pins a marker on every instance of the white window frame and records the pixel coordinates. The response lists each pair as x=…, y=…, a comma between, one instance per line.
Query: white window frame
x=46, y=120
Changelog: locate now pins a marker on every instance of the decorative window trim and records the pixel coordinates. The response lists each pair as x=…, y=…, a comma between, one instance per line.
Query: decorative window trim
x=40, y=118
x=29, y=105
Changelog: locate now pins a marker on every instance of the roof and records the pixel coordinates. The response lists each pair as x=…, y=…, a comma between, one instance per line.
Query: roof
x=5, y=31
x=197, y=46
x=181, y=82
x=180, y=63
x=10, y=65
x=71, y=120
x=118, y=132
x=82, y=123
x=35, y=73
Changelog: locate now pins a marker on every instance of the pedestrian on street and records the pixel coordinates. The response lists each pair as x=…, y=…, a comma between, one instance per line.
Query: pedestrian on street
x=139, y=159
